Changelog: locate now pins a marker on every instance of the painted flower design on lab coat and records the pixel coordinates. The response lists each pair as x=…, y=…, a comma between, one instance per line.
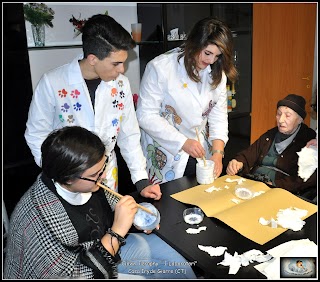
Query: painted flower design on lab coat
x=170, y=113
x=158, y=159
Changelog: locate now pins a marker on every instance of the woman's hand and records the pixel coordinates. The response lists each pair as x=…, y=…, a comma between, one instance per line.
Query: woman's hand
x=218, y=166
x=125, y=211
x=234, y=166
x=194, y=148
x=147, y=231
x=312, y=142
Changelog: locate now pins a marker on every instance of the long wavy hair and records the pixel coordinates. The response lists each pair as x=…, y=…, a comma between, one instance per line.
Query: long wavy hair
x=205, y=32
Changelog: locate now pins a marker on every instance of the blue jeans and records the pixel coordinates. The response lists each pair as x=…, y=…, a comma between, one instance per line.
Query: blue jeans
x=151, y=257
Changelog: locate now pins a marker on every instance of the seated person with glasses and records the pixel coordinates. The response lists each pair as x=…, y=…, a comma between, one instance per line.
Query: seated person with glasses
x=273, y=158
x=66, y=226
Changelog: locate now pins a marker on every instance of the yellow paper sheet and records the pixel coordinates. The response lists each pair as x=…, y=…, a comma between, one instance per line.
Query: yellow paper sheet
x=244, y=216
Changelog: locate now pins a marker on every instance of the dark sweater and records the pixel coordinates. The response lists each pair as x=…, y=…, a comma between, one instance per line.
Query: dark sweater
x=287, y=160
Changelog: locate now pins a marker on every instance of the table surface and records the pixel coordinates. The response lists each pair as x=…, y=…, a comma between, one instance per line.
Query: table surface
x=173, y=231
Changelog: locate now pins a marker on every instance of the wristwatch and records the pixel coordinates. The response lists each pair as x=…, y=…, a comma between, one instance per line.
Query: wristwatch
x=218, y=151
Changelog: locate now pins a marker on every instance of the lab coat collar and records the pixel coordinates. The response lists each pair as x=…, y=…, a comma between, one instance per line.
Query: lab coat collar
x=74, y=72
x=186, y=82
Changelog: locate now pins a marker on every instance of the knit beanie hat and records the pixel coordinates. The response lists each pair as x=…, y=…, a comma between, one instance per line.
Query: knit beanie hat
x=294, y=102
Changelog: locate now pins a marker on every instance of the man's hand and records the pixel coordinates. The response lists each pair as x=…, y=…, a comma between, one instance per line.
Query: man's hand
x=152, y=191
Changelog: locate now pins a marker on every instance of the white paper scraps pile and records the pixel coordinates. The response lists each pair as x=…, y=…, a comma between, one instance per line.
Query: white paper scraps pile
x=196, y=230
x=236, y=261
x=295, y=248
x=239, y=180
x=213, y=251
x=307, y=162
x=289, y=218
x=211, y=189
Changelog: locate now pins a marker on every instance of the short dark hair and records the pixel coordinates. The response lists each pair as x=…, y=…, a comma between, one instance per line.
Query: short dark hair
x=101, y=34
x=69, y=151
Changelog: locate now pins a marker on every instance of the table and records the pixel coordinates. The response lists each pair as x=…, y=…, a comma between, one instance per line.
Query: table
x=173, y=231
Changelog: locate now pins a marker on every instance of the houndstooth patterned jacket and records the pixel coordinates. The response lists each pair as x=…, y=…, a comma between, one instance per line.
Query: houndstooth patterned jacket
x=43, y=243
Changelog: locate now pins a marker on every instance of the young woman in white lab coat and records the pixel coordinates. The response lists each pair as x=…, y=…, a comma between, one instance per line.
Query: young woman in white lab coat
x=182, y=91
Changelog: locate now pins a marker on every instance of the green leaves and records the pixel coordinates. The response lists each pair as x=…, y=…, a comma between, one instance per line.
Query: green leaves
x=38, y=14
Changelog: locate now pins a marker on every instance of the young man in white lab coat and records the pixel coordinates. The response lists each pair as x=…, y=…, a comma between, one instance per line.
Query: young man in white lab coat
x=92, y=92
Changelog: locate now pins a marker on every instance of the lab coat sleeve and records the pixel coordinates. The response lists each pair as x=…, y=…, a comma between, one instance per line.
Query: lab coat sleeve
x=40, y=117
x=152, y=92
x=129, y=140
x=218, y=117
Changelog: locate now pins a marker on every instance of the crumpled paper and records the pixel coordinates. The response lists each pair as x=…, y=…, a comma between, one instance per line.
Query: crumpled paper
x=289, y=218
x=293, y=248
x=196, y=230
x=238, y=180
x=307, y=162
x=213, y=251
x=236, y=261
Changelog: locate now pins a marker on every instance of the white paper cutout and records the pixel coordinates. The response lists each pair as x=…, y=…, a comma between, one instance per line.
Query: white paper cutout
x=196, y=230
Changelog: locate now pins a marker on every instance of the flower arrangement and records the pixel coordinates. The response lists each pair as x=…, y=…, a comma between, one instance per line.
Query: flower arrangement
x=78, y=25
x=38, y=14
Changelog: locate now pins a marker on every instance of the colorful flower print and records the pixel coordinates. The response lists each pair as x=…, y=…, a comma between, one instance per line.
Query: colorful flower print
x=114, y=92
x=61, y=118
x=115, y=103
x=77, y=106
x=207, y=112
x=65, y=107
x=62, y=93
x=115, y=122
x=70, y=119
x=121, y=106
x=158, y=160
x=75, y=93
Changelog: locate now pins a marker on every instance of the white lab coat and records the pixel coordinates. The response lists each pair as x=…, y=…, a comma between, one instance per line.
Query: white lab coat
x=170, y=108
x=62, y=98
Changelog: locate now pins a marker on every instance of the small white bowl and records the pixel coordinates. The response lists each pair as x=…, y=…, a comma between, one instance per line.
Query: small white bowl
x=193, y=215
x=243, y=193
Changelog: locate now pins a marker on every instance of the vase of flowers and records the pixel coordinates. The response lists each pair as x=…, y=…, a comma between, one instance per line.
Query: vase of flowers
x=39, y=15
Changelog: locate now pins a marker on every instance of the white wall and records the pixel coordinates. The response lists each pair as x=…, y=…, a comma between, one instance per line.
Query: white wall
x=62, y=33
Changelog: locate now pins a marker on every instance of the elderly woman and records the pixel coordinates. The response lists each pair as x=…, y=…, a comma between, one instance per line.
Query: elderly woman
x=273, y=157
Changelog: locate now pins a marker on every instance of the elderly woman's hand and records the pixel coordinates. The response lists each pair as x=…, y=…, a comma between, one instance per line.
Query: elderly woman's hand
x=234, y=166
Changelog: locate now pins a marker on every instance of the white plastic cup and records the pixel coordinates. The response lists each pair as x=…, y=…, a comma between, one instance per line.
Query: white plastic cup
x=136, y=31
x=205, y=173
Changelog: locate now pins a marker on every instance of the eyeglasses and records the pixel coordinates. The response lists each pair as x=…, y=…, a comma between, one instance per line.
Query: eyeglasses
x=100, y=173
